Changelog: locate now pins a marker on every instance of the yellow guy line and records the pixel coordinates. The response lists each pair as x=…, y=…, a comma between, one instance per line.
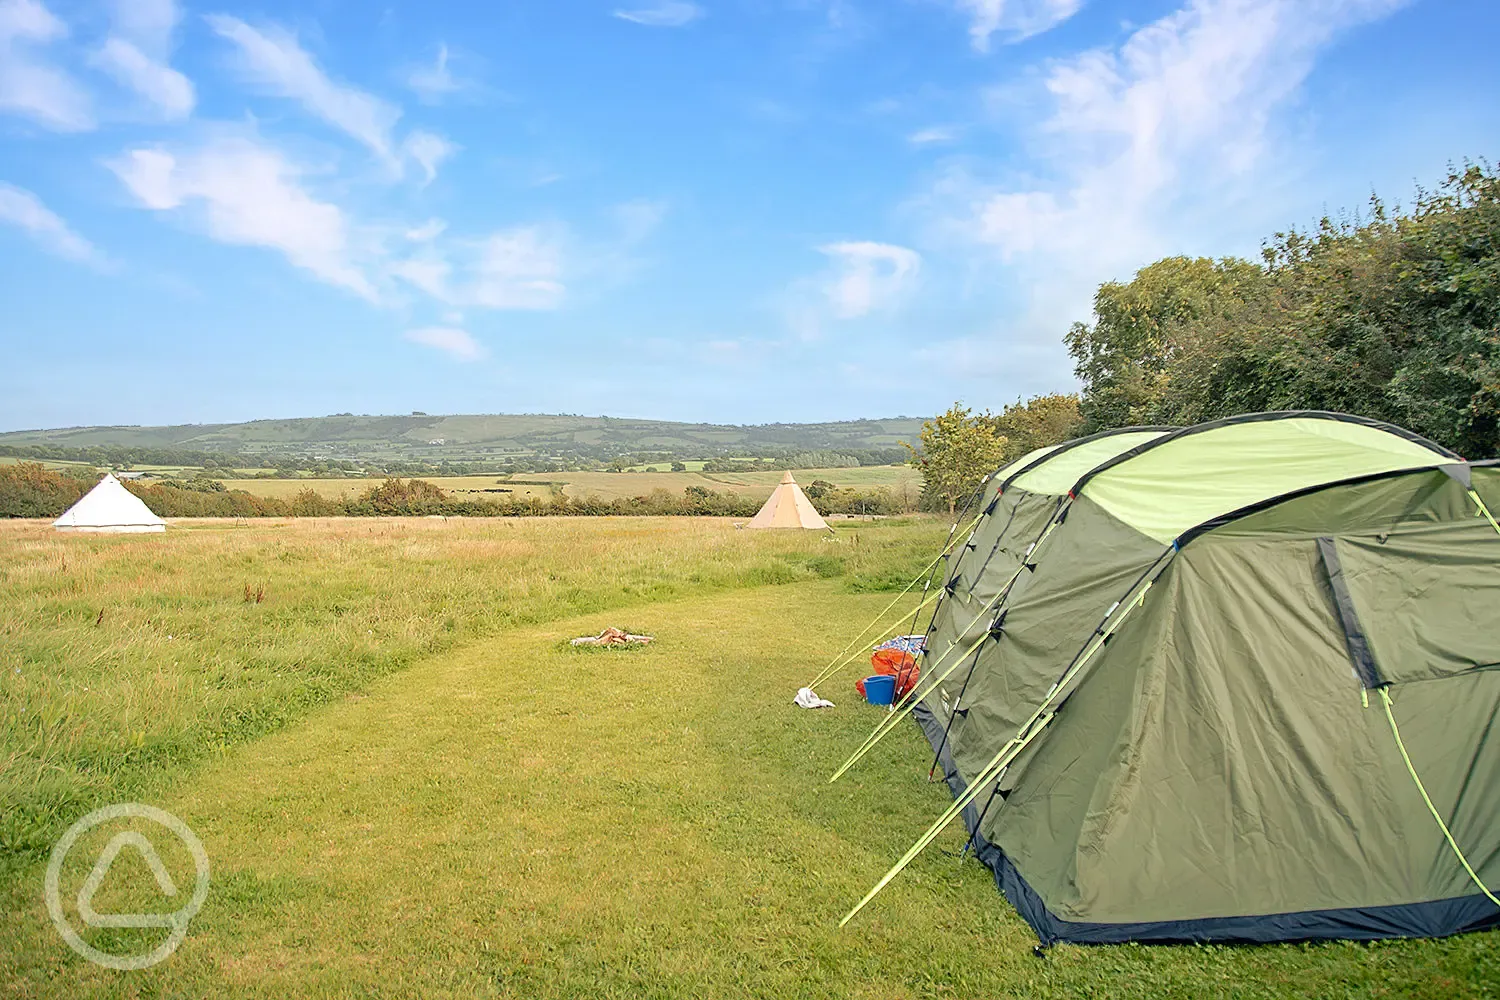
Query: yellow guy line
x=1474, y=495
x=839, y=664
x=912, y=699
x=835, y=664
x=1385, y=696
x=1008, y=753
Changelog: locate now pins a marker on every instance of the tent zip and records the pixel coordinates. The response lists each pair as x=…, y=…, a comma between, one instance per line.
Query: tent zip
x=1029, y=730
x=1385, y=698
x=913, y=699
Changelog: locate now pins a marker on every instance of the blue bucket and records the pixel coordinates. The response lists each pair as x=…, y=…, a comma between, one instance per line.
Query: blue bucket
x=880, y=689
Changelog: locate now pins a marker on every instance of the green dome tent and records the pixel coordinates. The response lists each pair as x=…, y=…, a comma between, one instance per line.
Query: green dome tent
x=1233, y=682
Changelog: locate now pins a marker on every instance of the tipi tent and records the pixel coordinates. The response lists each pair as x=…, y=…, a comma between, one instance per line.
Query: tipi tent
x=1235, y=682
x=109, y=507
x=788, y=507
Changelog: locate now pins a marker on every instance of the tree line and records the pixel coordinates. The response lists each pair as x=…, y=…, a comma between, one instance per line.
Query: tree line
x=28, y=489
x=1394, y=316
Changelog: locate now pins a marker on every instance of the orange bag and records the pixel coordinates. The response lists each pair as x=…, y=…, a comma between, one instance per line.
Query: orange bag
x=899, y=664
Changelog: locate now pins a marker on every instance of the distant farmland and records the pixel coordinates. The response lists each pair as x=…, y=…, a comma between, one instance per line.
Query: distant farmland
x=607, y=485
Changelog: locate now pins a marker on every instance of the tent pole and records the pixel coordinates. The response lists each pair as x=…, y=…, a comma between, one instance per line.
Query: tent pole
x=1028, y=731
x=890, y=721
x=836, y=663
x=1005, y=593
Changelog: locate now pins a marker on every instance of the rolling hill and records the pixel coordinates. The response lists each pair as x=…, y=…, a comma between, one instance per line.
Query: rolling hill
x=420, y=437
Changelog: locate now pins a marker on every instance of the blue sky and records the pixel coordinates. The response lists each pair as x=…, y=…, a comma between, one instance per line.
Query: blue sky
x=719, y=210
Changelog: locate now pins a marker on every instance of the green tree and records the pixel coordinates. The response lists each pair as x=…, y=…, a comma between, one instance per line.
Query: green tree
x=1039, y=422
x=1392, y=316
x=1123, y=358
x=959, y=448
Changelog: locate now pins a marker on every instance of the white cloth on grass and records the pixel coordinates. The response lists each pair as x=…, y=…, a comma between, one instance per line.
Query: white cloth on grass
x=808, y=698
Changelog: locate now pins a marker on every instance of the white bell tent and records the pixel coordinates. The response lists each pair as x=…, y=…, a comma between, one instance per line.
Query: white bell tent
x=109, y=506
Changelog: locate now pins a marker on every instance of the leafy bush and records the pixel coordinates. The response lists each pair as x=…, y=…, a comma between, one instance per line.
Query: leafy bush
x=30, y=489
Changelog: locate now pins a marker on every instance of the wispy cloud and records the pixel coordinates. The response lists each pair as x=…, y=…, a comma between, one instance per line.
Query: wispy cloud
x=519, y=268
x=1017, y=20
x=136, y=54
x=453, y=341
x=428, y=150
x=1185, y=100
x=436, y=82
x=30, y=84
x=21, y=208
x=273, y=59
x=167, y=89
x=867, y=276
x=1135, y=140
x=932, y=136
x=249, y=194
x=667, y=14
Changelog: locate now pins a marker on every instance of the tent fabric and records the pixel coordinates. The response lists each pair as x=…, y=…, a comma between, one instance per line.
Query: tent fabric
x=1212, y=770
x=1065, y=465
x=109, y=507
x=1425, y=600
x=788, y=507
x=1183, y=479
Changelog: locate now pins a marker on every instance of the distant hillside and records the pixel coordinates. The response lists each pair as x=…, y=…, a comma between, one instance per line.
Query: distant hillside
x=435, y=440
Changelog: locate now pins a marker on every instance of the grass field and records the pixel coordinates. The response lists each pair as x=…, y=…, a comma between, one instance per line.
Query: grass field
x=510, y=817
x=608, y=485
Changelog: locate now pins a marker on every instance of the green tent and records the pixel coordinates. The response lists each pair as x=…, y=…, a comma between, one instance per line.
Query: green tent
x=1233, y=682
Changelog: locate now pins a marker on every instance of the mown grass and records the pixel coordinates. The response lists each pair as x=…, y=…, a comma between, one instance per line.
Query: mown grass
x=513, y=819
x=125, y=656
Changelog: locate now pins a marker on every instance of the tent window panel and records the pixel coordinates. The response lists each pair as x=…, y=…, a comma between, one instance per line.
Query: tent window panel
x=1424, y=604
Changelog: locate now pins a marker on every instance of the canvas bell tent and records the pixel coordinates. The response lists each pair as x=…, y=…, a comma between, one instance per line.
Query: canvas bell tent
x=1233, y=682
x=109, y=507
x=788, y=507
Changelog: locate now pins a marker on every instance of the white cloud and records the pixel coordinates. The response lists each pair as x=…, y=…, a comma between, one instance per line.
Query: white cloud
x=427, y=231
x=428, y=150
x=147, y=23
x=1139, y=142
x=929, y=136
x=273, y=59
x=29, y=84
x=21, y=208
x=1191, y=93
x=429, y=273
x=249, y=195
x=435, y=82
x=136, y=55
x=451, y=340
x=163, y=86
x=1016, y=19
x=518, y=268
x=666, y=14
x=867, y=276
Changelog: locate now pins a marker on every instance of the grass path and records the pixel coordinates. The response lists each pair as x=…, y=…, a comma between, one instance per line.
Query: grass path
x=518, y=819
